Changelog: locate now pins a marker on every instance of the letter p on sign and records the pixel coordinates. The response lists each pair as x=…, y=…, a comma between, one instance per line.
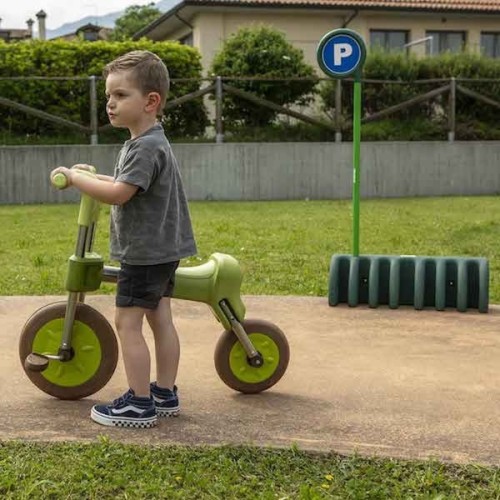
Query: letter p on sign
x=341, y=51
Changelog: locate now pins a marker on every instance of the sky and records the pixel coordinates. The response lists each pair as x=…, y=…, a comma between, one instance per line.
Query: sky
x=15, y=13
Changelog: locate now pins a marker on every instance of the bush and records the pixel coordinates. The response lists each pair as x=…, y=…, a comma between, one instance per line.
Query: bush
x=280, y=131
x=406, y=70
x=414, y=129
x=262, y=52
x=69, y=99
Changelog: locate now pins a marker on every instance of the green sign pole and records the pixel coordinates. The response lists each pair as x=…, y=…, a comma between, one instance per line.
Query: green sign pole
x=357, y=278
x=341, y=53
x=356, y=143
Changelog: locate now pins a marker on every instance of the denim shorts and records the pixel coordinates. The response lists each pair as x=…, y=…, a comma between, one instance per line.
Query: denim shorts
x=144, y=286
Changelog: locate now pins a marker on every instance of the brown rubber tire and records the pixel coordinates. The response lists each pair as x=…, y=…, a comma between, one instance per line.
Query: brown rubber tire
x=102, y=330
x=226, y=343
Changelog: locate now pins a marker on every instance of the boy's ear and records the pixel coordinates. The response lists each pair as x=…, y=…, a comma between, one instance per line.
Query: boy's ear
x=153, y=102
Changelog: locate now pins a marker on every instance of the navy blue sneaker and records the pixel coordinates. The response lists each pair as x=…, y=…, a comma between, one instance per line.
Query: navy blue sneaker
x=166, y=401
x=126, y=411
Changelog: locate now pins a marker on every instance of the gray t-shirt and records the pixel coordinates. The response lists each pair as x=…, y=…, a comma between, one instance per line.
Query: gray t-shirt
x=154, y=226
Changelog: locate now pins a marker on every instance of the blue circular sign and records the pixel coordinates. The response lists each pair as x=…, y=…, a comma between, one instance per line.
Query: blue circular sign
x=341, y=53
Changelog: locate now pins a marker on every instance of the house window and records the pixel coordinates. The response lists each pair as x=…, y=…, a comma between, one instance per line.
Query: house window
x=187, y=40
x=445, y=41
x=90, y=36
x=389, y=40
x=490, y=44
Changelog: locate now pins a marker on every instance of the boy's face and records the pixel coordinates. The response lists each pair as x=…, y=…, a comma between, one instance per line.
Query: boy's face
x=126, y=104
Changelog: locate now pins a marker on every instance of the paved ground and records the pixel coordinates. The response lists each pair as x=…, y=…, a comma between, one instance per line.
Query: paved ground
x=399, y=383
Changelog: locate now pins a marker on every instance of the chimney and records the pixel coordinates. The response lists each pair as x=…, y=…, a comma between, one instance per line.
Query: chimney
x=30, y=24
x=42, y=34
x=1, y=21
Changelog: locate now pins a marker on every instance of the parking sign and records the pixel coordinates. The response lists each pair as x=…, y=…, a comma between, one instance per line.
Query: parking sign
x=341, y=53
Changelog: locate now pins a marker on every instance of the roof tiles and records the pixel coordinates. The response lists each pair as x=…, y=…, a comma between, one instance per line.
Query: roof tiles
x=430, y=5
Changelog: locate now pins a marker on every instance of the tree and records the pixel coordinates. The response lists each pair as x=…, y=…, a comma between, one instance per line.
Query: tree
x=262, y=52
x=135, y=18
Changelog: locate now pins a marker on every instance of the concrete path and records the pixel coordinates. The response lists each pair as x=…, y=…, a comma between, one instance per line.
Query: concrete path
x=399, y=383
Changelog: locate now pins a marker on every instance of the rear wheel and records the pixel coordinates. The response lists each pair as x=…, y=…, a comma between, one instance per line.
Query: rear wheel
x=94, y=346
x=233, y=367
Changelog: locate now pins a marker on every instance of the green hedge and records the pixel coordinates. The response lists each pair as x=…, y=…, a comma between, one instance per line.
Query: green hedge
x=261, y=52
x=70, y=99
x=475, y=120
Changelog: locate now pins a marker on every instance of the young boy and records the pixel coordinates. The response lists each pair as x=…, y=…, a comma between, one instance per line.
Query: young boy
x=150, y=232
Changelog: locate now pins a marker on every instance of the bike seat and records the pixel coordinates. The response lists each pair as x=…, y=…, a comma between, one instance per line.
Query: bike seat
x=217, y=279
x=202, y=272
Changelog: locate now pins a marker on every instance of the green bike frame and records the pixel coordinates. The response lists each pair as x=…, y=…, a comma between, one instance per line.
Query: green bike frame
x=216, y=283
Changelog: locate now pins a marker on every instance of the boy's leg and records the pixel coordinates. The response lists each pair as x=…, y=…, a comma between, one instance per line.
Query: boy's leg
x=135, y=352
x=139, y=289
x=135, y=408
x=167, y=348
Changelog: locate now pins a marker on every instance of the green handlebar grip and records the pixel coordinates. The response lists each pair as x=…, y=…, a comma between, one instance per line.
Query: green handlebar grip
x=89, y=208
x=59, y=181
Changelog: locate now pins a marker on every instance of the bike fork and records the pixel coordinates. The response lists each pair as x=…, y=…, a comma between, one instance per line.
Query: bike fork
x=39, y=362
x=254, y=357
x=84, y=244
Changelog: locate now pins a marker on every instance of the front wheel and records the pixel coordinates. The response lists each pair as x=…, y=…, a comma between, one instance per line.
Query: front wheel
x=231, y=361
x=94, y=346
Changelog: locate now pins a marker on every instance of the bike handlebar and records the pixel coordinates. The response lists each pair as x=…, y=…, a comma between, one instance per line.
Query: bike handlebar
x=60, y=181
x=89, y=208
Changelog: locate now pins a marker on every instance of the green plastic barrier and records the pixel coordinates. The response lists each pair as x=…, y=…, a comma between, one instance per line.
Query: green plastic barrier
x=397, y=280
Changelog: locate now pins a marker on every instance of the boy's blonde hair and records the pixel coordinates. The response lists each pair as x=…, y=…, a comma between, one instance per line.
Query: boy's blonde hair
x=149, y=72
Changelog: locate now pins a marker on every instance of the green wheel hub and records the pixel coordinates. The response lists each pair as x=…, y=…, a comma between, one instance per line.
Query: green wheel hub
x=243, y=371
x=87, y=353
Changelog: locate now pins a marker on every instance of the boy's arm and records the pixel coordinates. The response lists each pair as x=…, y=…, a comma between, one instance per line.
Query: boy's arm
x=90, y=168
x=110, y=192
x=107, y=178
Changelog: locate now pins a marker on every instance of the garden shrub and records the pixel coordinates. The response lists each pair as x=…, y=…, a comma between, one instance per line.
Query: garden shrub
x=69, y=99
x=475, y=119
x=261, y=52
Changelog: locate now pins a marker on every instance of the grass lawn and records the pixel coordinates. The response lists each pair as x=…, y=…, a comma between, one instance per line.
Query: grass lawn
x=284, y=248
x=111, y=470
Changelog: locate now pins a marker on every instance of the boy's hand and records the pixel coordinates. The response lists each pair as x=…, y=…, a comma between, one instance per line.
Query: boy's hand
x=84, y=166
x=66, y=172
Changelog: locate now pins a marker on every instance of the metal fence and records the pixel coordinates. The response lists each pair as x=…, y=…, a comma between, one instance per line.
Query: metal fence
x=219, y=86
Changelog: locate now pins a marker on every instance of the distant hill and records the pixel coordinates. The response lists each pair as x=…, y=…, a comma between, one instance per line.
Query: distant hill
x=107, y=21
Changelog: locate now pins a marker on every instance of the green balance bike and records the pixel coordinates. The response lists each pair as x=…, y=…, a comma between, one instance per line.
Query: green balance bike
x=69, y=350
